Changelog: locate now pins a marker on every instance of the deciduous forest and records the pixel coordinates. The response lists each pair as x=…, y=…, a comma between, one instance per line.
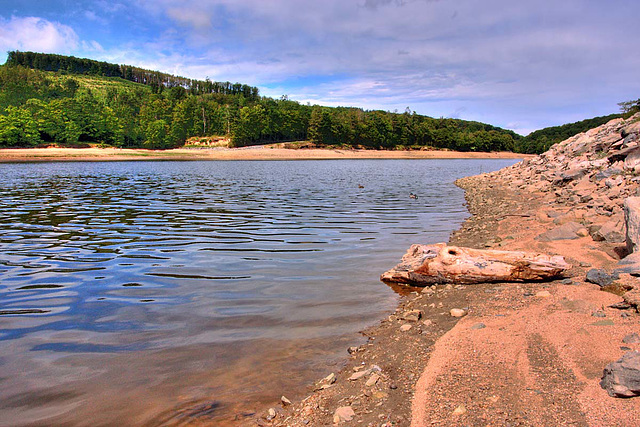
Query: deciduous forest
x=52, y=99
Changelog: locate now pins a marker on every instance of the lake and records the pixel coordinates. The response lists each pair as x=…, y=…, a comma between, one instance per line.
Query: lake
x=148, y=293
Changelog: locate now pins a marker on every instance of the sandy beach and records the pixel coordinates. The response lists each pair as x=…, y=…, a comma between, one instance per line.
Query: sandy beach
x=245, y=153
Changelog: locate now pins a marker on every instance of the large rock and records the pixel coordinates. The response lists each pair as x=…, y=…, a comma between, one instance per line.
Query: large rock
x=632, y=161
x=601, y=277
x=622, y=378
x=629, y=265
x=428, y=264
x=611, y=232
x=632, y=221
x=567, y=231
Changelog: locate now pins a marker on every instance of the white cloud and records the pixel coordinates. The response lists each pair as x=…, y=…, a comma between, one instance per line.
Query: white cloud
x=36, y=34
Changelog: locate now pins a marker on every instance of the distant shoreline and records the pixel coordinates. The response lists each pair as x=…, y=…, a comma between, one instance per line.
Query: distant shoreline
x=21, y=155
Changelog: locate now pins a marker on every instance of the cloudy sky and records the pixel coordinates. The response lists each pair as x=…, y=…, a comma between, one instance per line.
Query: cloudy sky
x=518, y=64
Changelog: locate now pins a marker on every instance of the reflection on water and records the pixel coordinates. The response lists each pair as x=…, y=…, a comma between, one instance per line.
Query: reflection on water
x=167, y=292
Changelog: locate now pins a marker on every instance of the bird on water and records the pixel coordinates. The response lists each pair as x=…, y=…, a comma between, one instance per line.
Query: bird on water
x=413, y=196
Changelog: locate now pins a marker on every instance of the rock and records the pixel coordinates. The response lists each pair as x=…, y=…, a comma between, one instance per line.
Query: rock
x=621, y=155
x=285, y=401
x=439, y=263
x=629, y=264
x=601, y=277
x=412, y=315
x=457, y=312
x=570, y=175
x=598, y=314
x=632, y=298
x=622, y=378
x=632, y=221
x=406, y=327
x=373, y=379
x=427, y=322
x=567, y=231
x=356, y=376
x=631, y=129
x=326, y=382
x=611, y=232
x=543, y=294
x=343, y=414
x=633, y=159
x=633, y=338
x=478, y=326
x=460, y=410
x=352, y=350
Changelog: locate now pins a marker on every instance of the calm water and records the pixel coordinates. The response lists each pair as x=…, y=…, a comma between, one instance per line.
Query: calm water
x=177, y=292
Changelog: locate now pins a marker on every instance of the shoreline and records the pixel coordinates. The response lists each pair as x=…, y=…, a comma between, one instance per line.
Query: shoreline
x=29, y=155
x=526, y=353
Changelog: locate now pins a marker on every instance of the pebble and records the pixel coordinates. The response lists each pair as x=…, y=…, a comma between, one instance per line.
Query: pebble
x=460, y=410
x=358, y=375
x=405, y=327
x=478, y=326
x=457, y=312
x=567, y=282
x=373, y=379
x=598, y=314
x=427, y=322
x=352, y=350
x=342, y=414
x=412, y=315
x=543, y=294
x=633, y=338
x=285, y=401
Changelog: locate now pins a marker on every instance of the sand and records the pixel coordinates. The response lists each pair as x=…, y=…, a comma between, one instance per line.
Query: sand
x=10, y=155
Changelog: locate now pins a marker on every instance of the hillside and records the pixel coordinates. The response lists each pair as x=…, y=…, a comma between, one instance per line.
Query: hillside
x=52, y=99
x=541, y=140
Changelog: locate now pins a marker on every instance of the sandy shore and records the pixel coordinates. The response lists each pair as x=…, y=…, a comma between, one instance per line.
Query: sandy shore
x=525, y=354
x=247, y=153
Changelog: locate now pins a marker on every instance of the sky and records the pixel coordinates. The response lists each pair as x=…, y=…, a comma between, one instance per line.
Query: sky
x=518, y=64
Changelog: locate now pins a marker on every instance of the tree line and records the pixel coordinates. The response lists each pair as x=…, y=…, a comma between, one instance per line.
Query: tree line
x=156, y=80
x=85, y=101
x=41, y=107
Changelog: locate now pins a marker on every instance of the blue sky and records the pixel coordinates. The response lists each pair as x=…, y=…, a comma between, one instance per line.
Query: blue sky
x=521, y=65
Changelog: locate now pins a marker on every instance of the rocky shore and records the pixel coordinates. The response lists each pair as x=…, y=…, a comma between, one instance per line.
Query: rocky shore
x=530, y=353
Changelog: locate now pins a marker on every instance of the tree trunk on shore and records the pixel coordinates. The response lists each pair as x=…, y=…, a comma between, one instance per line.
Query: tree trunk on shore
x=432, y=264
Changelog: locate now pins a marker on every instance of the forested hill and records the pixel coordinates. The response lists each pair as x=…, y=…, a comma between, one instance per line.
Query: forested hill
x=541, y=140
x=155, y=79
x=52, y=99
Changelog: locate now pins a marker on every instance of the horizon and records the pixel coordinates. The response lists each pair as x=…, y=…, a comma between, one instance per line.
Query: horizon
x=519, y=67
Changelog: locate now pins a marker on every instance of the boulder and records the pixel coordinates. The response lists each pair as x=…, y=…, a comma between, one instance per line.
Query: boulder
x=601, y=277
x=622, y=378
x=631, y=129
x=567, y=231
x=611, y=232
x=629, y=265
x=633, y=159
x=632, y=221
x=429, y=264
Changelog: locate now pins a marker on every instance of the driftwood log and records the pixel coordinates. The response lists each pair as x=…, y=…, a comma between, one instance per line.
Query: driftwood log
x=432, y=264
